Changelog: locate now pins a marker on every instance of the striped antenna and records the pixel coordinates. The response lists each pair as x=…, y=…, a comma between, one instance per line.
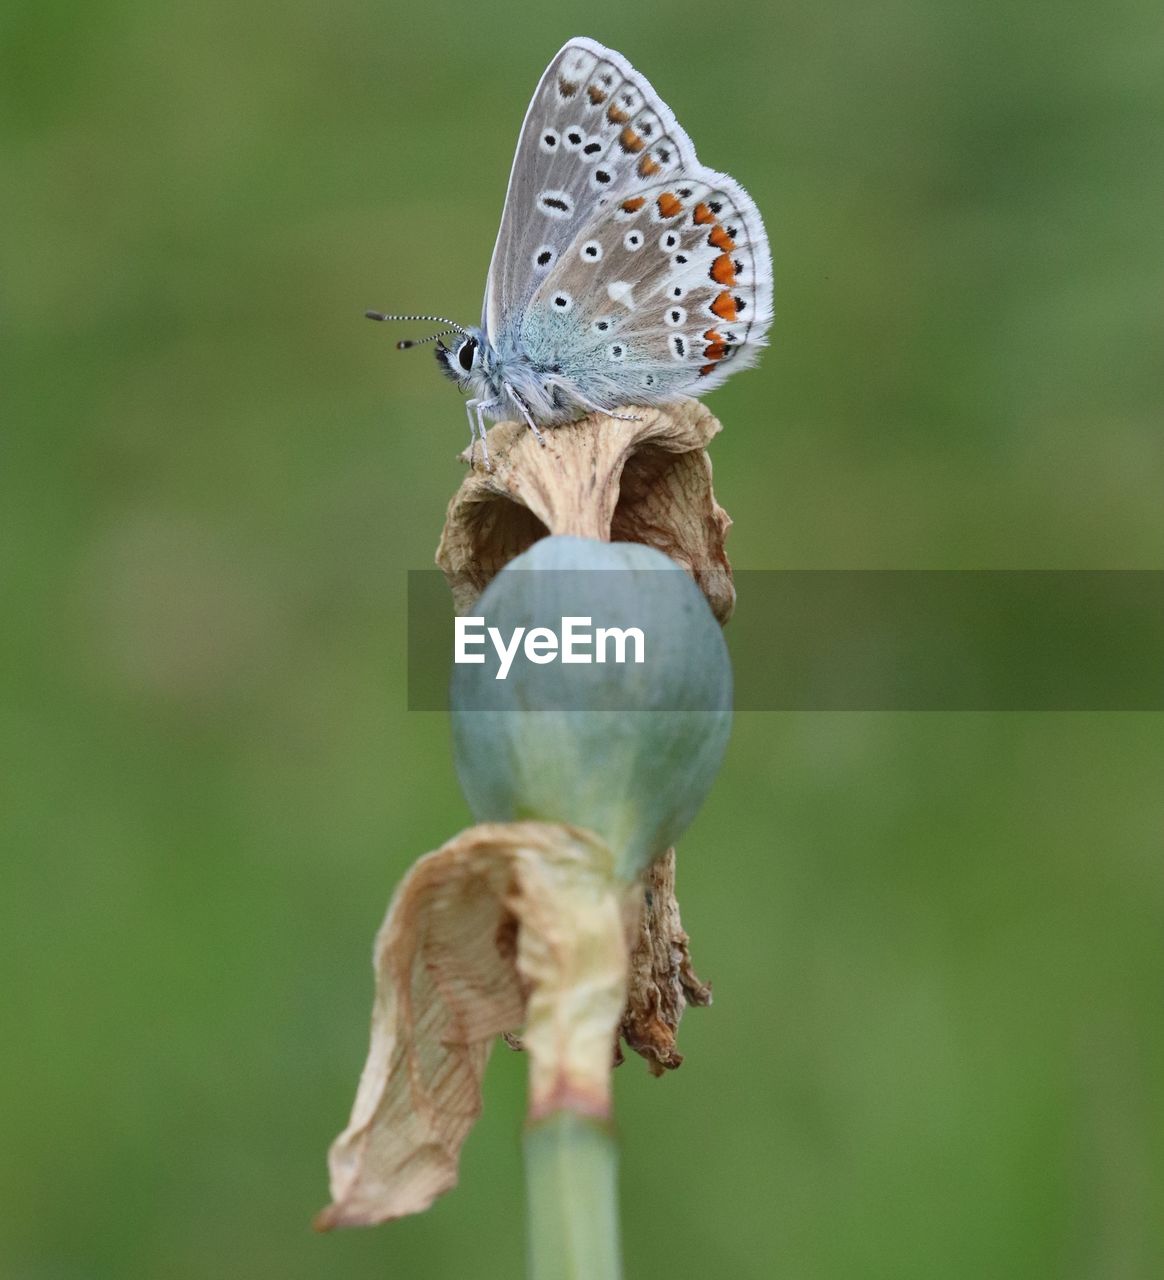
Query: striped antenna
x=404, y=345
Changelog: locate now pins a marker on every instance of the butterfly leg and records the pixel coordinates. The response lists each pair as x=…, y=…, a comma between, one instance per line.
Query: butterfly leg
x=474, y=424
x=479, y=407
x=533, y=426
x=597, y=408
x=476, y=412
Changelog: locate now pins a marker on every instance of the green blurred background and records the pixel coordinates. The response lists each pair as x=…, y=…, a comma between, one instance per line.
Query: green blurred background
x=937, y=940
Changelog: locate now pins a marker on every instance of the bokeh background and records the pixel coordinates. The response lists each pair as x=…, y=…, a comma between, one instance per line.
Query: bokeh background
x=937, y=1047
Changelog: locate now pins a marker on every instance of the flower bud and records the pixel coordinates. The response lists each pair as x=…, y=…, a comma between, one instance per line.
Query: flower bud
x=621, y=738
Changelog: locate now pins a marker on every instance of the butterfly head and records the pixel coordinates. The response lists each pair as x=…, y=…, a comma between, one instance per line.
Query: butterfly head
x=466, y=362
x=463, y=360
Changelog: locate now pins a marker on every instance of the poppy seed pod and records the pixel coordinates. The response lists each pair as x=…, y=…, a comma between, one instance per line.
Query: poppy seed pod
x=592, y=686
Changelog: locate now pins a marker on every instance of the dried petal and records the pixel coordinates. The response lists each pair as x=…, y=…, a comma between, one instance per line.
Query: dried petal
x=662, y=981
x=643, y=481
x=507, y=923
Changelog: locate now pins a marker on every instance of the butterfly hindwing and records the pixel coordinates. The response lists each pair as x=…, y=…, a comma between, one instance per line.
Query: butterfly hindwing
x=664, y=293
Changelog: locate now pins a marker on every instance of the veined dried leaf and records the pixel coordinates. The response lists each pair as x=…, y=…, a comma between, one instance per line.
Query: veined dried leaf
x=508, y=923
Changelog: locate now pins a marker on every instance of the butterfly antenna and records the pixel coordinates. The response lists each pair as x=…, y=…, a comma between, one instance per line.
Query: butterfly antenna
x=404, y=345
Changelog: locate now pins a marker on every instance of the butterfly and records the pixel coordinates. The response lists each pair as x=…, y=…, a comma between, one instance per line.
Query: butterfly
x=625, y=272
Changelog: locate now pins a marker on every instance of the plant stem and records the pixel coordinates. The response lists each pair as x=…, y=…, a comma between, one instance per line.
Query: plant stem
x=571, y=1166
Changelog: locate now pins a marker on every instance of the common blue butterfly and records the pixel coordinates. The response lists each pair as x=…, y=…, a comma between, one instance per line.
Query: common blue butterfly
x=625, y=272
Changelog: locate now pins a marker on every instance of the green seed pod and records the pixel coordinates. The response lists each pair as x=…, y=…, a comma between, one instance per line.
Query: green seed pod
x=554, y=726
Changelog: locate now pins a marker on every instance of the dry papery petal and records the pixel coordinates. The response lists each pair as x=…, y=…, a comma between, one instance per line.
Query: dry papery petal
x=647, y=480
x=508, y=923
x=662, y=980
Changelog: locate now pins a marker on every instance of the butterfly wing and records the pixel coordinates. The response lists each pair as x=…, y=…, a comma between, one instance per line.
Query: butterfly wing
x=632, y=269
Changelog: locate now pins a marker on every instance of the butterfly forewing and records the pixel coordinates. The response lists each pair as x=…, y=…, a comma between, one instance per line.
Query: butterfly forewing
x=552, y=184
x=621, y=259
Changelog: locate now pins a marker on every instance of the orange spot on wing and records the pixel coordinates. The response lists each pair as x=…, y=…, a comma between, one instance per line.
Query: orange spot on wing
x=567, y=88
x=723, y=270
x=647, y=167
x=634, y=204
x=616, y=115
x=714, y=351
x=720, y=239
x=702, y=214
x=630, y=141
x=669, y=205
x=707, y=368
x=712, y=336
x=724, y=306
x=596, y=94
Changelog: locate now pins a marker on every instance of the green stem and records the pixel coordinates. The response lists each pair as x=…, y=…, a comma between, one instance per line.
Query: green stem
x=571, y=1166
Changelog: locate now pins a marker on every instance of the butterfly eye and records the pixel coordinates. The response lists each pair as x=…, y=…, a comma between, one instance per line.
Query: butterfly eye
x=562, y=301
x=574, y=137
x=616, y=352
x=466, y=353
x=549, y=141
x=668, y=240
x=601, y=326
x=544, y=257
x=676, y=316
x=633, y=240
x=591, y=251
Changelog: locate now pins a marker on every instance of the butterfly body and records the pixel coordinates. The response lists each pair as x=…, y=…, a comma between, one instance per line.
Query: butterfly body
x=625, y=272
x=512, y=377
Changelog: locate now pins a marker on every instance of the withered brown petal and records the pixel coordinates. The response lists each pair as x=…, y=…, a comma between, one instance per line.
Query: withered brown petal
x=508, y=923
x=647, y=480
